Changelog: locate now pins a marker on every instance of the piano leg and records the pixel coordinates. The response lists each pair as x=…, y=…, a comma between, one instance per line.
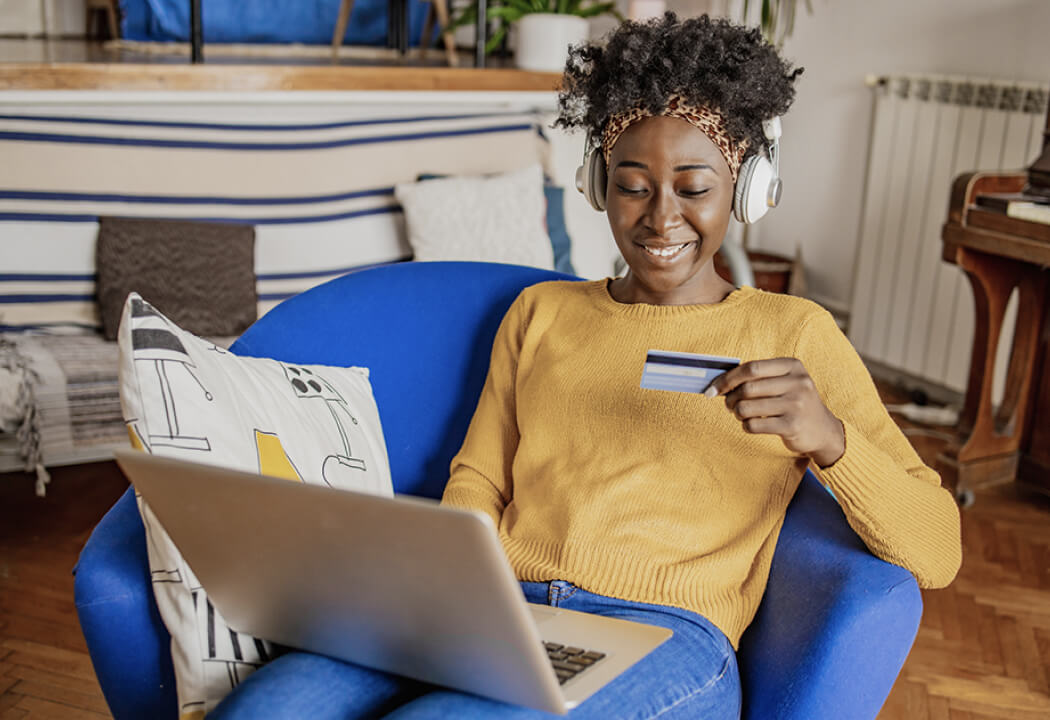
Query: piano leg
x=988, y=446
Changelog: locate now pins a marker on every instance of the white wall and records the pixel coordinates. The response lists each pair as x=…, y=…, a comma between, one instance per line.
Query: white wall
x=825, y=134
x=65, y=17
x=42, y=17
x=21, y=17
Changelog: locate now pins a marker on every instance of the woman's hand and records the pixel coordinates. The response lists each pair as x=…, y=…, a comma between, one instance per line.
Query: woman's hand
x=778, y=397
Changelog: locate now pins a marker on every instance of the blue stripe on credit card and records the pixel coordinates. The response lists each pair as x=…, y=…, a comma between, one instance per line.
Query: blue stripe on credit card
x=683, y=372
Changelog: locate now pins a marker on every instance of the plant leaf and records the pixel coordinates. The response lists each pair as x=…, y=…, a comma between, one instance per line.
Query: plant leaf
x=598, y=9
x=523, y=6
x=495, y=40
x=510, y=14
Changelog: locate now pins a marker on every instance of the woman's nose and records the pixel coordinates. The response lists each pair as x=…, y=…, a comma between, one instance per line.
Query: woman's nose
x=663, y=213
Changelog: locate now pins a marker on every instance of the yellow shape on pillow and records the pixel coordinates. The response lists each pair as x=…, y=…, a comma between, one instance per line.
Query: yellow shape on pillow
x=273, y=460
x=136, y=441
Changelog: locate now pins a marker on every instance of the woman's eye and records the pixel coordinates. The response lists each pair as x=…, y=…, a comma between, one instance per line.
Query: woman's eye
x=694, y=193
x=629, y=190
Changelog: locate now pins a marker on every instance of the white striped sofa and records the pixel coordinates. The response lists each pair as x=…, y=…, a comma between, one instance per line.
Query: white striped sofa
x=315, y=179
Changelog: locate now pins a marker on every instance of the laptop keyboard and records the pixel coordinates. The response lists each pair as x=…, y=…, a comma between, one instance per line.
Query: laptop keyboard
x=570, y=661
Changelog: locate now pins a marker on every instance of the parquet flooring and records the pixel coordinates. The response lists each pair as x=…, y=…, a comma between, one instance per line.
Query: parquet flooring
x=45, y=671
x=983, y=650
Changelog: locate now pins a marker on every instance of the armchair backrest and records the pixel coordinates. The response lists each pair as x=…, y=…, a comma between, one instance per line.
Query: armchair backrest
x=427, y=359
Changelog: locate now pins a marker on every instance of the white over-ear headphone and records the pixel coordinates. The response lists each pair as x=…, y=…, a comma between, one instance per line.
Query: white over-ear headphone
x=758, y=185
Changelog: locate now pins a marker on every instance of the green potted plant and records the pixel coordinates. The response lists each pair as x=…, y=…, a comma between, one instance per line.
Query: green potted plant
x=544, y=28
x=776, y=18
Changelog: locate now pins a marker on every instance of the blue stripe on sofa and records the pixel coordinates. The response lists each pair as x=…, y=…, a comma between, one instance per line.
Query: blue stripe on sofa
x=45, y=298
x=46, y=326
x=50, y=217
x=190, y=199
x=76, y=277
x=244, y=127
x=304, y=219
x=47, y=277
x=211, y=145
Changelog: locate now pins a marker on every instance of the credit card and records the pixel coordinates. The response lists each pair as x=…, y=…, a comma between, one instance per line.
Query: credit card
x=683, y=372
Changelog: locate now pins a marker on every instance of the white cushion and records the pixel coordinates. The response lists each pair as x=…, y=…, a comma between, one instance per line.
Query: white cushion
x=186, y=397
x=497, y=218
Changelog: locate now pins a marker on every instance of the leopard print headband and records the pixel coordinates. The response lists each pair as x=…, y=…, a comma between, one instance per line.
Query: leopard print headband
x=708, y=120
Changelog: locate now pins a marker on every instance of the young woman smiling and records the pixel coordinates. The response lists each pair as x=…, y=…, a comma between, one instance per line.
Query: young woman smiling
x=661, y=507
x=669, y=200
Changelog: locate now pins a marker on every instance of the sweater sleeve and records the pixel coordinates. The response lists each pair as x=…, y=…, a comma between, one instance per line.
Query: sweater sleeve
x=480, y=474
x=891, y=499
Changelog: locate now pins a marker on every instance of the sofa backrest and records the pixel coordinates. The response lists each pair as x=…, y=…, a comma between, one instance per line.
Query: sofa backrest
x=425, y=332
x=314, y=177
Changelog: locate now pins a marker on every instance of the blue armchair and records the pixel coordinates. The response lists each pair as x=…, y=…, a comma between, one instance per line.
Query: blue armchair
x=835, y=624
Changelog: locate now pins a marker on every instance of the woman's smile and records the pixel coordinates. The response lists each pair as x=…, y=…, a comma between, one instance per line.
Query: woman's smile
x=667, y=253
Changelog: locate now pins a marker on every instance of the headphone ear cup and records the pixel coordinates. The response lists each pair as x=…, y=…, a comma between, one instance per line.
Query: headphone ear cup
x=595, y=179
x=751, y=195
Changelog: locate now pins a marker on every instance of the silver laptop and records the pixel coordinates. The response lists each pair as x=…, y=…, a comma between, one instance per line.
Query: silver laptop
x=399, y=584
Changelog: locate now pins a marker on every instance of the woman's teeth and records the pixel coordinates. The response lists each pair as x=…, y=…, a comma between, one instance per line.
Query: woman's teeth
x=665, y=252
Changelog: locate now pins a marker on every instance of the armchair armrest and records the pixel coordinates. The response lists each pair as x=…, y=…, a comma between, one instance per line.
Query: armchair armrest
x=130, y=647
x=833, y=617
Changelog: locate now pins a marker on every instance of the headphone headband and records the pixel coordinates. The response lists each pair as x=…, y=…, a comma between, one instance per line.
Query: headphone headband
x=758, y=186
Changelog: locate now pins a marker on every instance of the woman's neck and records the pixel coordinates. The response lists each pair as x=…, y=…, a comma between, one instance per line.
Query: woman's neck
x=705, y=290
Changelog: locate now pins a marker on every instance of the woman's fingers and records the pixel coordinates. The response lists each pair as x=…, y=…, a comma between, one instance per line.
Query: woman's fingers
x=760, y=407
x=768, y=387
x=750, y=372
x=765, y=425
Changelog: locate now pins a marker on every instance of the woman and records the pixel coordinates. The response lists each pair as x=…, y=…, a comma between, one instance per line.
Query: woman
x=662, y=507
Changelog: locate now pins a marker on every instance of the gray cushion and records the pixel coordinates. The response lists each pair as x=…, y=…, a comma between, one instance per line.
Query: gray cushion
x=201, y=275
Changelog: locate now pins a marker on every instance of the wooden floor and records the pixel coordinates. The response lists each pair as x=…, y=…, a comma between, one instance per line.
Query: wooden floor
x=983, y=650
x=44, y=667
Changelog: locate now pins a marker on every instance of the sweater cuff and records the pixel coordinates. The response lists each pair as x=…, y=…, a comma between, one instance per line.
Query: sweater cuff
x=902, y=514
x=860, y=473
x=473, y=497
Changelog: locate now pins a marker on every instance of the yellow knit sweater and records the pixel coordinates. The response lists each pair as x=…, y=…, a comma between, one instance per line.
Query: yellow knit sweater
x=661, y=497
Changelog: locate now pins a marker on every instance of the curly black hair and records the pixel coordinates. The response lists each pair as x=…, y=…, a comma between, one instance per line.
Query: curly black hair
x=708, y=62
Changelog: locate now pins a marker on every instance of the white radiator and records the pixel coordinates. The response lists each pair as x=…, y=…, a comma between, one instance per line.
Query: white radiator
x=911, y=312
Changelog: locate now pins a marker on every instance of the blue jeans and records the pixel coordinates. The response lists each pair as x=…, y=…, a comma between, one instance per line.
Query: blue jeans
x=692, y=675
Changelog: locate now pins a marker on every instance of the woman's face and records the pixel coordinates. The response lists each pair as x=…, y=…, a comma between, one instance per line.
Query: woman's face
x=669, y=199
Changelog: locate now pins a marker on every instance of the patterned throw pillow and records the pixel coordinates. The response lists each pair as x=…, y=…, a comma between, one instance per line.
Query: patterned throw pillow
x=185, y=397
x=499, y=218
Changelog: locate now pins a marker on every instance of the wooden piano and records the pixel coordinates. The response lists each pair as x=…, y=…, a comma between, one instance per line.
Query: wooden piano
x=1000, y=253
